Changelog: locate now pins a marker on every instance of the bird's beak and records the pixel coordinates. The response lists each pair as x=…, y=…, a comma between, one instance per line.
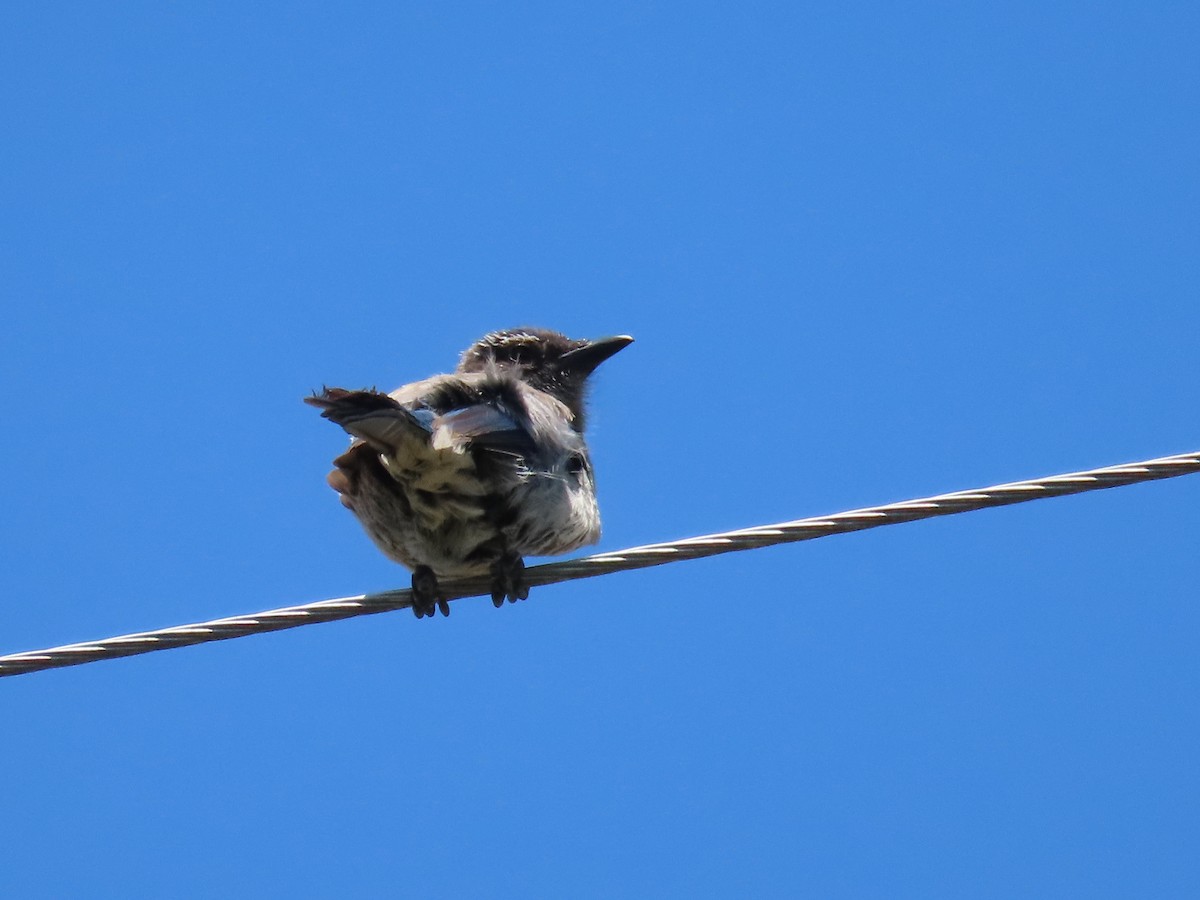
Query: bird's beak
x=584, y=360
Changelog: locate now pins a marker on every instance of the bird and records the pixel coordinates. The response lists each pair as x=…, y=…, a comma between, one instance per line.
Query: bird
x=467, y=473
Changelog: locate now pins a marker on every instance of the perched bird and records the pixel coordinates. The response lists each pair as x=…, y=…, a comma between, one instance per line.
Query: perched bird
x=466, y=474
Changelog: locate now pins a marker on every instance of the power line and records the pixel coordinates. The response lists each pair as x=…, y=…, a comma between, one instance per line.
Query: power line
x=604, y=563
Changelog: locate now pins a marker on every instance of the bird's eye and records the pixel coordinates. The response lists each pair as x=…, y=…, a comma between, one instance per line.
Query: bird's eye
x=576, y=464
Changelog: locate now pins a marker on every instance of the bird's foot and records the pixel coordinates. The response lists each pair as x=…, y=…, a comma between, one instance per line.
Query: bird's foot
x=508, y=580
x=426, y=595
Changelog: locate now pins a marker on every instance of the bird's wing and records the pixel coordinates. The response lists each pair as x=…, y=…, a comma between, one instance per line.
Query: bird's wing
x=481, y=426
x=375, y=418
x=442, y=414
x=475, y=413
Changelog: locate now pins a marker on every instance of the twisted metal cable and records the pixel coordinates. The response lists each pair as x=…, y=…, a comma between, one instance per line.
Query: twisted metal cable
x=604, y=563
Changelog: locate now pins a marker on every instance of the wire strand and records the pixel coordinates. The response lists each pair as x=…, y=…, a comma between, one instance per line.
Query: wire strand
x=605, y=563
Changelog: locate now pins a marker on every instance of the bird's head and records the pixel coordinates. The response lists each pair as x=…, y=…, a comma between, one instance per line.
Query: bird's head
x=545, y=360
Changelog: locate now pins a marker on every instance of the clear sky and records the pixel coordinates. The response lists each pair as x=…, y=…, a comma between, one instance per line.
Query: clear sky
x=869, y=251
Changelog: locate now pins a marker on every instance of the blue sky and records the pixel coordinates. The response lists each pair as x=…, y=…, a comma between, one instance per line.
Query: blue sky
x=868, y=251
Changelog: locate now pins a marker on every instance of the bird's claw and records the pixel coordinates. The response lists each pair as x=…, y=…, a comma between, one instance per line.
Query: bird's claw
x=426, y=595
x=508, y=580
